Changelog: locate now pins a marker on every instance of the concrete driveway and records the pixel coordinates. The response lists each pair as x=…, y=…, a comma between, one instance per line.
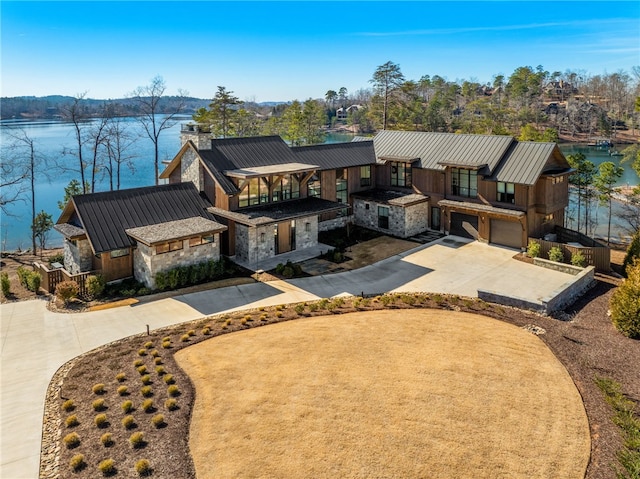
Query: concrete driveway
x=35, y=342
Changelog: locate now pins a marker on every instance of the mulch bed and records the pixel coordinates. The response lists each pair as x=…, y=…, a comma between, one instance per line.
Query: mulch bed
x=582, y=338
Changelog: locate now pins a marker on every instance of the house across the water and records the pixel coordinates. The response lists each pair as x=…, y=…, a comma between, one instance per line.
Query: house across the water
x=256, y=198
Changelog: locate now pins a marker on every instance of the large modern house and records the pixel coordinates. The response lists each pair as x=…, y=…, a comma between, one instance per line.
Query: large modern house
x=256, y=198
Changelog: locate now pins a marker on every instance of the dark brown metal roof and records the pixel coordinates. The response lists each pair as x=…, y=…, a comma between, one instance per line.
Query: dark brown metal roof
x=525, y=162
x=106, y=216
x=337, y=155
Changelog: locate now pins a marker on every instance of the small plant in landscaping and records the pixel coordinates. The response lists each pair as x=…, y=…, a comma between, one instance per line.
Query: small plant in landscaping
x=137, y=363
x=171, y=404
x=157, y=361
x=191, y=332
x=184, y=338
x=67, y=290
x=142, y=352
x=155, y=353
x=578, y=259
x=98, y=388
x=142, y=369
x=146, y=391
x=71, y=421
x=77, y=463
x=386, y=299
x=106, y=439
x=148, y=344
x=263, y=317
x=123, y=390
x=95, y=285
x=121, y=377
x=128, y=422
x=137, y=440
x=533, y=249
x=68, y=405
x=107, y=467
x=279, y=314
x=160, y=370
x=101, y=420
x=243, y=321
x=143, y=467
x=299, y=308
x=158, y=420
x=228, y=322
x=71, y=440
x=166, y=344
x=625, y=303
x=166, y=339
x=147, y=405
x=146, y=379
x=6, y=284
x=313, y=307
x=173, y=390
x=127, y=406
x=168, y=379
x=98, y=405
x=556, y=254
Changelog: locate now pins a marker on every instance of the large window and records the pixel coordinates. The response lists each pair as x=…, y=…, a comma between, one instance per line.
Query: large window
x=506, y=192
x=285, y=187
x=400, y=174
x=254, y=193
x=365, y=175
x=342, y=188
x=464, y=182
x=314, y=186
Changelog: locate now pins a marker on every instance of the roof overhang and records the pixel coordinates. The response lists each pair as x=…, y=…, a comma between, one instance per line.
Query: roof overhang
x=174, y=230
x=70, y=231
x=481, y=208
x=277, y=212
x=260, y=171
x=391, y=197
x=399, y=159
x=453, y=164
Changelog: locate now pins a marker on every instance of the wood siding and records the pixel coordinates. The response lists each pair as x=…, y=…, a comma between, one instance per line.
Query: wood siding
x=116, y=268
x=550, y=197
x=428, y=182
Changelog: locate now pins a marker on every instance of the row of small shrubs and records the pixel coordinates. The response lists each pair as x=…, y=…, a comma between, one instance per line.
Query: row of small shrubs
x=108, y=466
x=182, y=276
x=555, y=254
x=289, y=270
x=29, y=279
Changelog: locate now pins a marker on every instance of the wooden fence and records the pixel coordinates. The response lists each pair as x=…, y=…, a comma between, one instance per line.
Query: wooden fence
x=595, y=253
x=52, y=277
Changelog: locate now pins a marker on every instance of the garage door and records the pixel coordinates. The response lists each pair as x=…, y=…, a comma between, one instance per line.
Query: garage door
x=464, y=225
x=506, y=233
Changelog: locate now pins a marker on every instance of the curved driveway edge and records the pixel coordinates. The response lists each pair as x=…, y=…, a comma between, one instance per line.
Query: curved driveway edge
x=35, y=342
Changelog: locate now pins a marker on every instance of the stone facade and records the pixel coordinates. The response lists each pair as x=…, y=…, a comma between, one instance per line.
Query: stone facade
x=339, y=222
x=146, y=263
x=78, y=256
x=404, y=221
x=190, y=169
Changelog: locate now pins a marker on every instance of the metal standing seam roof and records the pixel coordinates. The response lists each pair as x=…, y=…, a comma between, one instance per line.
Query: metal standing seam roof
x=337, y=155
x=107, y=215
x=436, y=150
x=524, y=163
x=250, y=152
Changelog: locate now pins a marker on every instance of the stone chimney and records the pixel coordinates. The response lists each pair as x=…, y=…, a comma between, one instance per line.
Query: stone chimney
x=200, y=135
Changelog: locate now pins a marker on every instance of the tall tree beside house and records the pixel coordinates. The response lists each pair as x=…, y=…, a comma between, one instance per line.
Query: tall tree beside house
x=72, y=189
x=76, y=113
x=96, y=140
x=583, y=180
x=604, y=181
x=41, y=226
x=221, y=113
x=386, y=79
x=314, y=119
x=119, y=144
x=147, y=100
x=293, y=124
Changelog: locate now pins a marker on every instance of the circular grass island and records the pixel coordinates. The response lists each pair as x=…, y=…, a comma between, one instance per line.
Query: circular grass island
x=390, y=393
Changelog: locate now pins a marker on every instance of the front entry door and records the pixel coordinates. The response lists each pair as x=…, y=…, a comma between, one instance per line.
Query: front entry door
x=284, y=237
x=435, y=218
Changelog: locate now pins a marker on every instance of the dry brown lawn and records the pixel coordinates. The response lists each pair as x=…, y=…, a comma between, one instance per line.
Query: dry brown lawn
x=389, y=393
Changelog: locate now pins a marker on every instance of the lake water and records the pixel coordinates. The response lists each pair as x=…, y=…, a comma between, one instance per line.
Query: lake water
x=52, y=137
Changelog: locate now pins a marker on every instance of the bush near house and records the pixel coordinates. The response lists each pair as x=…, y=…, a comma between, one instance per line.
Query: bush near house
x=6, y=284
x=578, y=259
x=29, y=279
x=556, y=254
x=533, y=250
x=67, y=290
x=189, y=275
x=633, y=252
x=95, y=285
x=625, y=303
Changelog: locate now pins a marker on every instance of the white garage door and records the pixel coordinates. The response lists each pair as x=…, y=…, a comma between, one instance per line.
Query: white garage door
x=506, y=233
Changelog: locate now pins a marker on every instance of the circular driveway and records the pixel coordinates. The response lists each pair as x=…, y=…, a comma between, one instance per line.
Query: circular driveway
x=395, y=393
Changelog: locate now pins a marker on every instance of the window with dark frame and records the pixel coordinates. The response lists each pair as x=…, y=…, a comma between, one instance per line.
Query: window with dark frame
x=314, y=186
x=383, y=217
x=400, y=174
x=365, y=175
x=506, y=192
x=464, y=182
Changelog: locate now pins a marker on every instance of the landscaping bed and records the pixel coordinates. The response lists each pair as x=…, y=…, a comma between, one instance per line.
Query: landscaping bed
x=583, y=339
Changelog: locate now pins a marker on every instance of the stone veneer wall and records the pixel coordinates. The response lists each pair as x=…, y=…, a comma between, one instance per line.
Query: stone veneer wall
x=190, y=169
x=339, y=222
x=252, y=247
x=146, y=263
x=78, y=258
x=403, y=221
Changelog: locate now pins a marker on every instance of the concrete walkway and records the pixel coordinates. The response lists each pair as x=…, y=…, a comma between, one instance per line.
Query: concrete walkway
x=35, y=342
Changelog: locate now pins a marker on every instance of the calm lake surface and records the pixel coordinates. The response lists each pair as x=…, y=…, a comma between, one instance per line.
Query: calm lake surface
x=53, y=137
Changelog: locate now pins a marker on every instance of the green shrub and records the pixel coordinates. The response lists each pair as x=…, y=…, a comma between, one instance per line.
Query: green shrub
x=146, y=391
x=71, y=440
x=101, y=420
x=166, y=344
x=168, y=379
x=67, y=290
x=157, y=361
x=120, y=377
x=161, y=281
x=184, y=338
x=68, y=405
x=98, y=405
x=77, y=463
x=143, y=467
x=313, y=307
x=556, y=254
x=147, y=405
x=29, y=279
x=171, y=404
x=5, y=284
x=160, y=370
x=127, y=407
x=158, y=420
x=533, y=249
x=146, y=379
x=625, y=303
x=95, y=285
x=142, y=352
x=107, y=467
x=173, y=390
x=71, y=421
x=106, y=439
x=137, y=363
x=98, y=388
x=137, y=440
x=206, y=331
x=56, y=258
x=386, y=299
x=578, y=259
x=128, y=422
x=123, y=390
x=299, y=308
x=155, y=353
x=633, y=252
x=142, y=370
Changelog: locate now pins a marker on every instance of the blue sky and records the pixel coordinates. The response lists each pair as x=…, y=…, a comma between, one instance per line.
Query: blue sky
x=275, y=51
